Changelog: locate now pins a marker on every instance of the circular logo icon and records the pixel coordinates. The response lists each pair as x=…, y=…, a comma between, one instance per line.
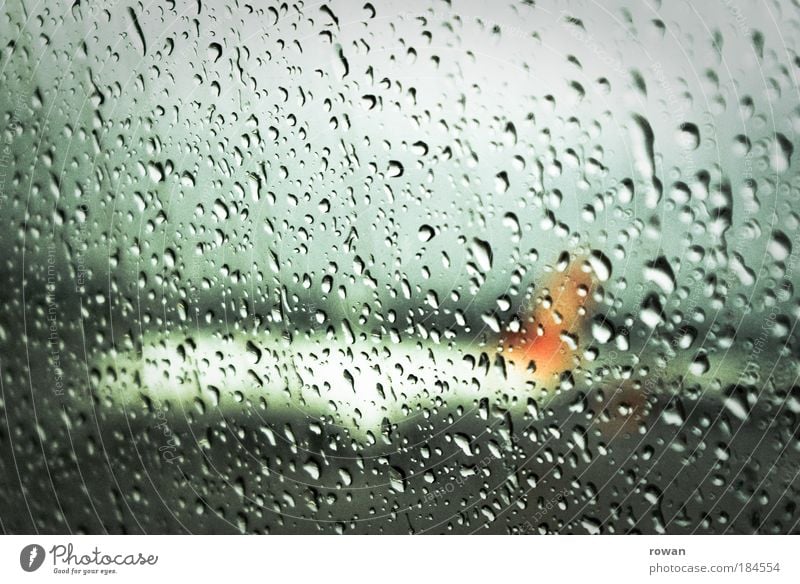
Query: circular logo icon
x=31, y=557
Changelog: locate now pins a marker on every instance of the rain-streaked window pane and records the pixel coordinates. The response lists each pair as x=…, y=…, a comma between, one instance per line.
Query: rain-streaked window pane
x=399, y=267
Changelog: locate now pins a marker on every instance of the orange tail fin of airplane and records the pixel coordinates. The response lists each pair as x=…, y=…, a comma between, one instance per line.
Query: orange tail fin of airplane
x=551, y=330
